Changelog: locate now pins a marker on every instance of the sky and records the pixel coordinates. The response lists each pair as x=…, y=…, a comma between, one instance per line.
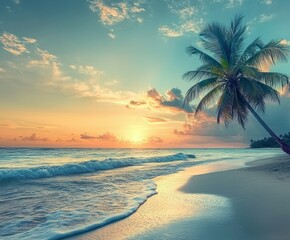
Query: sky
x=102, y=73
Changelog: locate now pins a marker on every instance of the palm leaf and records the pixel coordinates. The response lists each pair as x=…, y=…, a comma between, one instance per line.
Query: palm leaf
x=224, y=110
x=205, y=58
x=269, y=54
x=200, y=87
x=209, y=99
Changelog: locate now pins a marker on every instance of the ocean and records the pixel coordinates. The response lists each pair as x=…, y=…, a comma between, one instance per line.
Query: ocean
x=51, y=193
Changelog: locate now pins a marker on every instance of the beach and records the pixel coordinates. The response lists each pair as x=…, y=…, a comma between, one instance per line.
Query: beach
x=220, y=200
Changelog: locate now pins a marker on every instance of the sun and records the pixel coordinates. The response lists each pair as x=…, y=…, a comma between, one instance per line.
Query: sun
x=137, y=138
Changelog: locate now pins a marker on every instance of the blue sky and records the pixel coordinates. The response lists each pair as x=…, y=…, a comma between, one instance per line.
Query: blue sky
x=82, y=62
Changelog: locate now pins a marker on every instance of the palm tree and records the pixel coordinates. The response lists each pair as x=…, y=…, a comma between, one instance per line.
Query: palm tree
x=234, y=77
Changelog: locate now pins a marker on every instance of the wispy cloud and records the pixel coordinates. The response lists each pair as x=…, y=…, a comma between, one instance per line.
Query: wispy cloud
x=112, y=35
x=33, y=138
x=87, y=81
x=265, y=18
x=112, y=13
x=29, y=40
x=156, y=120
x=102, y=137
x=154, y=139
x=87, y=70
x=46, y=58
x=49, y=61
x=87, y=137
x=179, y=30
x=267, y=2
x=11, y=43
x=188, y=21
x=233, y=3
x=16, y=1
x=24, y=125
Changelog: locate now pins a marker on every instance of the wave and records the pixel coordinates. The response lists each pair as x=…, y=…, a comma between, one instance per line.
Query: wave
x=85, y=167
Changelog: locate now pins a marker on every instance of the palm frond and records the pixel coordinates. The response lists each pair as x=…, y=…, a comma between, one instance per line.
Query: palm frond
x=251, y=50
x=214, y=38
x=224, y=109
x=239, y=108
x=237, y=36
x=269, y=54
x=274, y=79
x=199, y=88
x=209, y=99
x=204, y=57
x=256, y=92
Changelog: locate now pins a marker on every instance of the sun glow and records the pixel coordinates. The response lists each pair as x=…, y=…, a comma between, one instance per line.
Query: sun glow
x=137, y=138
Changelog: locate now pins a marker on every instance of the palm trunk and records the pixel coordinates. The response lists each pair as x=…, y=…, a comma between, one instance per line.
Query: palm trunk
x=283, y=145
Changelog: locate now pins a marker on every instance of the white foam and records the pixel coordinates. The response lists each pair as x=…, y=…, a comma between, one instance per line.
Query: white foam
x=85, y=167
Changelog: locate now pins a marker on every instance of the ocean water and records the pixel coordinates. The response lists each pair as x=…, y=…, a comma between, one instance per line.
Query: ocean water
x=55, y=193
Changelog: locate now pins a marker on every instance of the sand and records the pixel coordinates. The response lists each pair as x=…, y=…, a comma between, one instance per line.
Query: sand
x=214, y=201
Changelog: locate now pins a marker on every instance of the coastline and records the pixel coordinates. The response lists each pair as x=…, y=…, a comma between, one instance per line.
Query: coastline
x=169, y=206
x=220, y=200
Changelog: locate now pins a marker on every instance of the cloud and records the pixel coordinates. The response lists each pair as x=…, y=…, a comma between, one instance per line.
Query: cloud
x=154, y=139
x=285, y=42
x=87, y=137
x=16, y=1
x=174, y=102
x=25, y=125
x=11, y=43
x=2, y=70
x=233, y=3
x=103, y=137
x=113, y=13
x=265, y=18
x=107, y=137
x=151, y=119
x=73, y=140
x=188, y=22
x=197, y=125
x=133, y=103
x=46, y=58
x=45, y=67
x=29, y=40
x=51, y=63
x=87, y=70
x=33, y=138
x=187, y=12
x=267, y=2
x=112, y=35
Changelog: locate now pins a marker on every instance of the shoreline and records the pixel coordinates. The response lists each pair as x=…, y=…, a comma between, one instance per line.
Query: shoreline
x=169, y=205
x=259, y=194
x=246, y=199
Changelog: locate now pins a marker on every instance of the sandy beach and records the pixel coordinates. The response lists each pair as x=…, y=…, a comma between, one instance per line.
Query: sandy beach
x=259, y=194
x=221, y=200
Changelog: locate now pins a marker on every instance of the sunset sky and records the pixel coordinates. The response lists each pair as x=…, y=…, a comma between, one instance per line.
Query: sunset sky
x=78, y=73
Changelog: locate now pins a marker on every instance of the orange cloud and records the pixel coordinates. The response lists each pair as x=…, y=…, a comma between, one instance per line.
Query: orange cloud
x=33, y=138
x=151, y=119
x=103, y=137
x=173, y=102
x=154, y=139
